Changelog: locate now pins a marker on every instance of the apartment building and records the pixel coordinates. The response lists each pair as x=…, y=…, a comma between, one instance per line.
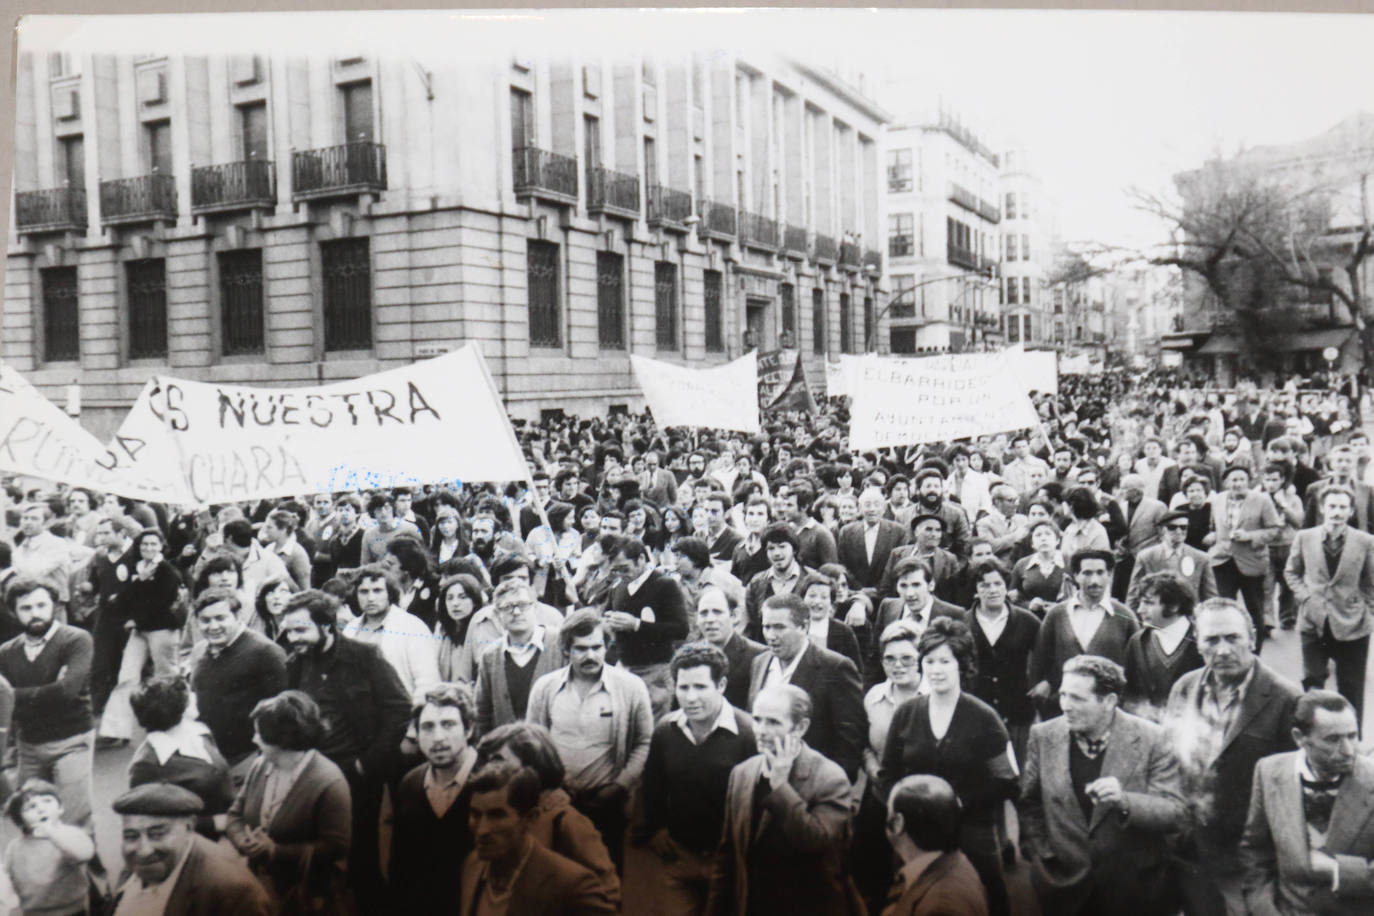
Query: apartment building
x=269, y=219
x=1026, y=248
x=943, y=218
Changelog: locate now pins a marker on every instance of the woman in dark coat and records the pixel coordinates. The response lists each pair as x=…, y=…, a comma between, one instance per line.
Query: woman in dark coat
x=828, y=631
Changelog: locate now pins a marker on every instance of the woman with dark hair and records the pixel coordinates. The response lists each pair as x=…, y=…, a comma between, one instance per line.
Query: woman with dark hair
x=292, y=818
x=408, y=560
x=826, y=510
x=1040, y=581
x=826, y=630
x=676, y=526
x=954, y=735
x=180, y=750
x=448, y=539
x=555, y=555
x=269, y=606
x=460, y=596
x=559, y=826
x=1084, y=532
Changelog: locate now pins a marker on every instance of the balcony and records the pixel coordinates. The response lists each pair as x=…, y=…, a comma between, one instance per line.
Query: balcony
x=827, y=252
x=960, y=256
x=612, y=193
x=958, y=194
x=145, y=199
x=850, y=257
x=794, y=242
x=549, y=176
x=989, y=211
x=247, y=185
x=338, y=171
x=52, y=210
x=717, y=221
x=668, y=208
x=873, y=260
x=758, y=231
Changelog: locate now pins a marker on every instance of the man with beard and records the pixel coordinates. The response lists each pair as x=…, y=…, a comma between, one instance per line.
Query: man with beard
x=170, y=869
x=815, y=543
x=364, y=709
x=930, y=499
x=489, y=541
x=49, y=667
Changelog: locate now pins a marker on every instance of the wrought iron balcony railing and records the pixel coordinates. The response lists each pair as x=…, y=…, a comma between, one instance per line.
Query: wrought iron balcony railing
x=795, y=241
x=338, y=171
x=989, y=211
x=138, y=200
x=873, y=260
x=234, y=186
x=668, y=207
x=614, y=193
x=50, y=210
x=827, y=250
x=758, y=231
x=849, y=255
x=717, y=221
x=963, y=197
x=960, y=256
x=540, y=173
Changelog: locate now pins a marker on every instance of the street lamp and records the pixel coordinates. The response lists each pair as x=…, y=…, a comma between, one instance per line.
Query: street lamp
x=988, y=274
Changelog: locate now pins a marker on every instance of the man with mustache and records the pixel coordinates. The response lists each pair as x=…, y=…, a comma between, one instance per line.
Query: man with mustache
x=930, y=497
x=171, y=869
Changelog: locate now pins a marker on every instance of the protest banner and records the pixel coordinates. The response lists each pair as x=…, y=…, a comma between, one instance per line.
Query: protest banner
x=721, y=397
x=435, y=421
x=911, y=401
x=782, y=382
x=1038, y=370
x=38, y=439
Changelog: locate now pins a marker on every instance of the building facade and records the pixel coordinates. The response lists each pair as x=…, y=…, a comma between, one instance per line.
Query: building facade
x=285, y=221
x=943, y=217
x=1026, y=250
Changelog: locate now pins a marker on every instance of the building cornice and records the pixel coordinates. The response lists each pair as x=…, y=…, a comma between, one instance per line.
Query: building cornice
x=844, y=91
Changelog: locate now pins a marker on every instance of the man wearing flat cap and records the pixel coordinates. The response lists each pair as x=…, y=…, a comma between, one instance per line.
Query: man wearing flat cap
x=1172, y=555
x=170, y=869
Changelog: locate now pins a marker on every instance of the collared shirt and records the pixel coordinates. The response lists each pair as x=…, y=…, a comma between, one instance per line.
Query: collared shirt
x=1172, y=635
x=405, y=642
x=1233, y=511
x=1092, y=748
x=521, y=654
x=278, y=785
x=442, y=796
x=186, y=738
x=1085, y=620
x=993, y=628
x=880, y=705
x=724, y=719
x=1218, y=706
x=870, y=539
x=34, y=649
x=784, y=583
x=583, y=729
x=638, y=582
x=777, y=673
x=819, y=631
x=136, y=899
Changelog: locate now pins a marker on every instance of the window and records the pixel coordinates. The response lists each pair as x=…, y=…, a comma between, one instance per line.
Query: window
x=71, y=161
x=253, y=130
x=1009, y=205
x=870, y=321
x=818, y=320
x=1025, y=248
x=521, y=119
x=713, y=284
x=357, y=112
x=591, y=140
x=546, y=325
x=903, y=340
x=1013, y=292
x=240, y=291
x=903, y=301
x=846, y=325
x=347, y=269
x=789, y=309
x=1013, y=328
x=900, y=235
x=1025, y=291
x=1010, y=246
x=61, y=315
x=899, y=170
x=157, y=138
x=665, y=305
x=610, y=300
x=147, y=308
x=1002, y=292
x=698, y=176
x=650, y=162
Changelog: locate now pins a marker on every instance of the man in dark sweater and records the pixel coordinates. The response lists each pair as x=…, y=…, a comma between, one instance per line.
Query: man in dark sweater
x=231, y=672
x=49, y=667
x=647, y=614
x=691, y=755
x=430, y=834
x=364, y=710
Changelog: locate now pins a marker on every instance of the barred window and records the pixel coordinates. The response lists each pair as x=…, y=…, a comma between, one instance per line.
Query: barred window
x=846, y=325
x=347, y=267
x=665, y=304
x=818, y=320
x=240, y=292
x=147, y=308
x=713, y=283
x=61, y=315
x=546, y=325
x=870, y=321
x=610, y=300
x=789, y=309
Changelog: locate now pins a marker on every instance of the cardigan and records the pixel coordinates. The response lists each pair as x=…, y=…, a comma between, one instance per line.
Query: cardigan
x=1150, y=674
x=1057, y=643
x=1001, y=680
x=632, y=720
x=52, y=693
x=494, y=706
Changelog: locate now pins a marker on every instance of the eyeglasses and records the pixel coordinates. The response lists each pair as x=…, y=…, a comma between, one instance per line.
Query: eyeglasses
x=1183, y=527
x=512, y=608
x=899, y=661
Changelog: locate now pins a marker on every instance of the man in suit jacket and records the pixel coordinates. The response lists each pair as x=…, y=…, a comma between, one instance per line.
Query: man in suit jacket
x=1308, y=845
x=720, y=537
x=1246, y=521
x=784, y=574
x=1142, y=514
x=717, y=626
x=1100, y=797
x=1331, y=573
x=1223, y=718
x=508, y=862
x=866, y=543
x=915, y=602
x=1341, y=461
x=787, y=821
x=835, y=723
x=936, y=879
x=945, y=566
x=1172, y=555
x=160, y=844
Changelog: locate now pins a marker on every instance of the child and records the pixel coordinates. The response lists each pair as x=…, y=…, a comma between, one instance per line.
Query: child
x=47, y=865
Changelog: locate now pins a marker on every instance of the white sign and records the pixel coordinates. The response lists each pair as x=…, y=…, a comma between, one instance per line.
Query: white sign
x=839, y=377
x=1331, y=354
x=38, y=439
x=910, y=401
x=431, y=422
x=722, y=397
x=1038, y=370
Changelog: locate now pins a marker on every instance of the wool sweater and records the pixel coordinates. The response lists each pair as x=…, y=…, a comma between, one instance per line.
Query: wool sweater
x=52, y=693
x=229, y=685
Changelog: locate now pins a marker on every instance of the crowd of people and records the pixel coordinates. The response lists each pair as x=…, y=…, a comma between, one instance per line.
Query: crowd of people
x=784, y=676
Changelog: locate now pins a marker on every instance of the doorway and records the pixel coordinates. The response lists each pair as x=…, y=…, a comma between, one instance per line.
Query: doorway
x=757, y=327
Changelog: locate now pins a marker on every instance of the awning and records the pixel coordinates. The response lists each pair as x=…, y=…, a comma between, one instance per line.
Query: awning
x=1220, y=343
x=1295, y=342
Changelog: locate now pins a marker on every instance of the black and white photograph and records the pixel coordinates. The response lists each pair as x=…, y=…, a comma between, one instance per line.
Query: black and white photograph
x=688, y=462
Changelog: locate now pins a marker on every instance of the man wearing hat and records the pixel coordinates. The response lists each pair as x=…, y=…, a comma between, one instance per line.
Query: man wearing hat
x=929, y=530
x=1172, y=555
x=170, y=869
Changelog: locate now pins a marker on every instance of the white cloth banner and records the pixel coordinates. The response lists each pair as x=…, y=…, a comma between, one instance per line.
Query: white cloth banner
x=911, y=401
x=435, y=421
x=38, y=439
x=839, y=377
x=1038, y=370
x=722, y=397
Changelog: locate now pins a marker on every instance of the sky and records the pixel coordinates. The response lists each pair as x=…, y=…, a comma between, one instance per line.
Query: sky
x=1102, y=101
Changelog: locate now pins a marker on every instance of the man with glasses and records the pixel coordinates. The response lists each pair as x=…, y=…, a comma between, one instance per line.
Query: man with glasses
x=1003, y=526
x=1172, y=555
x=507, y=670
